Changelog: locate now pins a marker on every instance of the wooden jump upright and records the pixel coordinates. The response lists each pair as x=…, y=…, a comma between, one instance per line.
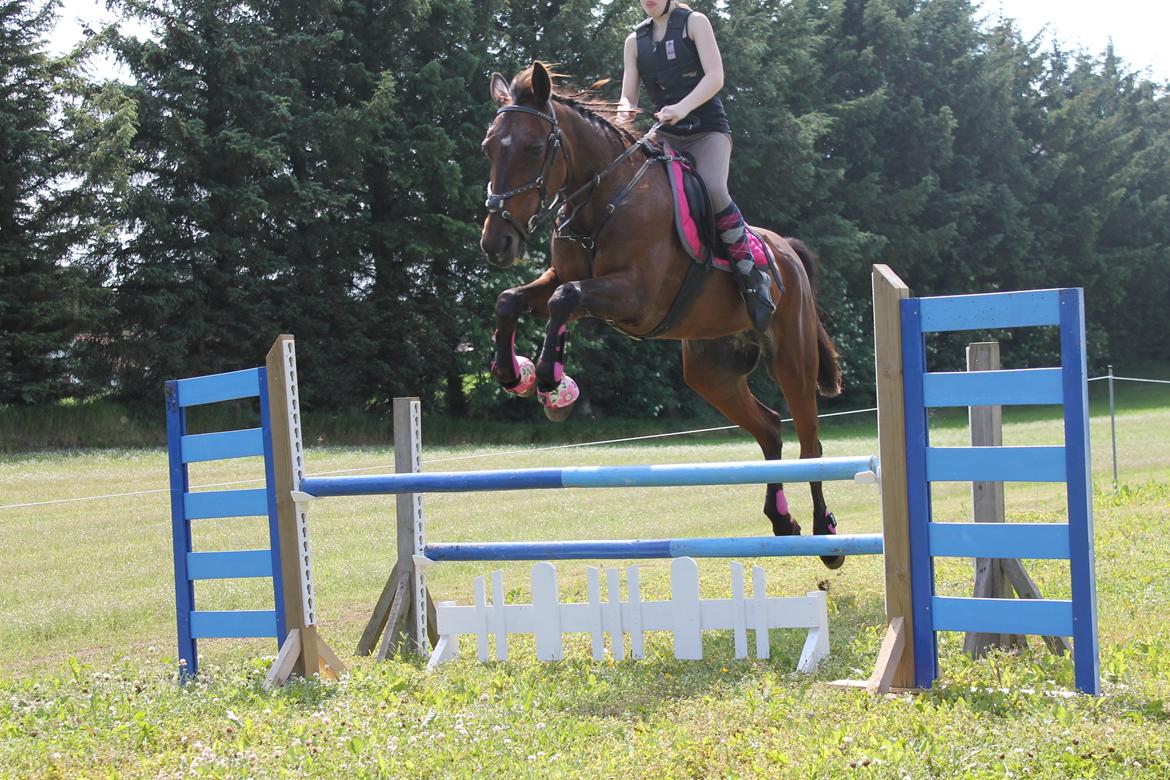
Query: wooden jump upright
x=895, y=664
x=303, y=651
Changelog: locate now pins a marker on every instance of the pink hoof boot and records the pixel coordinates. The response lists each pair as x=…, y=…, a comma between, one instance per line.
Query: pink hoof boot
x=527, y=373
x=559, y=401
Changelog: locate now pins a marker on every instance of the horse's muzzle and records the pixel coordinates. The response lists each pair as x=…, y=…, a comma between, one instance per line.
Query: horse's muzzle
x=503, y=249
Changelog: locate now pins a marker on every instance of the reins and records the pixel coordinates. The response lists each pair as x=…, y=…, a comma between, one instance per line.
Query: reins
x=560, y=202
x=589, y=242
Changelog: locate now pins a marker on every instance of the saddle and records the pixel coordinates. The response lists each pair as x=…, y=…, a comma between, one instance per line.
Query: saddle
x=694, y=221
x=694, y=216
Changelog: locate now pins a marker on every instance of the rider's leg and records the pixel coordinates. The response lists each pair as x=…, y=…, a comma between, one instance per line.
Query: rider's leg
x=751, y=271
x=712, y=153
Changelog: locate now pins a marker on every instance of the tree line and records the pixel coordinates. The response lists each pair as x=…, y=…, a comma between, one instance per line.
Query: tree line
x=313, y=167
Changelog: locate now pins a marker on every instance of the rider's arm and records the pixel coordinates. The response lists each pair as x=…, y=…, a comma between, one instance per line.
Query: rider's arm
x=699, y=30
x=630, y=80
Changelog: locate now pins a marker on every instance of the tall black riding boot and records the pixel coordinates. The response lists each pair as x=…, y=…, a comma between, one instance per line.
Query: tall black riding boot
x=755, y=285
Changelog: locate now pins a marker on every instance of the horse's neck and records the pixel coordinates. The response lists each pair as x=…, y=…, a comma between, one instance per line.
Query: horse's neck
x=591, y=152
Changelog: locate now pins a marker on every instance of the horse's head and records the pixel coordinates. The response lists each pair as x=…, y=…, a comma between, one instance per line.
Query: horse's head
x=528, y=165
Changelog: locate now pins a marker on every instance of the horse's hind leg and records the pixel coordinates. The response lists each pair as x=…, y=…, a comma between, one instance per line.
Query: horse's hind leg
x=717, y=370
x=795, y=370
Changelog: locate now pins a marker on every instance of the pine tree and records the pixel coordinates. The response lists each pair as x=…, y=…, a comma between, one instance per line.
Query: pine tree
x=58, y=136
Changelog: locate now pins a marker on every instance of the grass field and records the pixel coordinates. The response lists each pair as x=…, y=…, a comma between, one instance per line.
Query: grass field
x=87, y=656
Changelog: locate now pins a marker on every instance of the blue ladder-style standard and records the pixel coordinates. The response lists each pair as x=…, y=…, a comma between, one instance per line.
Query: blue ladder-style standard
x=1073, y=541
x=190, y=567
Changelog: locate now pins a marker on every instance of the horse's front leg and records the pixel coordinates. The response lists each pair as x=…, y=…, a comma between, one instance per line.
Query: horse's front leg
x=612, y=298
x=517, y=374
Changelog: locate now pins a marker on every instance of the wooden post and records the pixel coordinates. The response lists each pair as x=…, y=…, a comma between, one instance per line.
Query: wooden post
x=312, y=654
x=986, y=425
x=888, y=293
x=404, y=608
x=995, y=578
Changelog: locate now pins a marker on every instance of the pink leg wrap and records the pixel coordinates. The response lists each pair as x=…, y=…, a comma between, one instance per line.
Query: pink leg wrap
x=523, y=368
x=558, y=366
x=781, y=502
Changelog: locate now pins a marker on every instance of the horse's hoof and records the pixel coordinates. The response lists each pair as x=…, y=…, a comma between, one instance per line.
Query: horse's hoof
x=558, y=402
x=525, y=383
x=827, y=526
x=527, y=373
x=785, y=526
x=834, y=562
x=558, y=415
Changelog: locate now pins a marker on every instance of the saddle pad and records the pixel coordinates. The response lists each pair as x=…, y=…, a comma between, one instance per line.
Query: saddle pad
x=693, y=217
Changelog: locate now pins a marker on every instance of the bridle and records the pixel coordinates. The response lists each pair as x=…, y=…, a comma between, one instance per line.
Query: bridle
x=555, y=143
x=495, y=203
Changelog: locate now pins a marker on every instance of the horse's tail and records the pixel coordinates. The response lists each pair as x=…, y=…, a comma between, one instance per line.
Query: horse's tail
x=829, y=373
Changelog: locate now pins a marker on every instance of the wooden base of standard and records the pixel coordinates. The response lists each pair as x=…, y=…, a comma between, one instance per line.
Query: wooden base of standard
x=890, y=654
x=389, y=618
x=329, y=666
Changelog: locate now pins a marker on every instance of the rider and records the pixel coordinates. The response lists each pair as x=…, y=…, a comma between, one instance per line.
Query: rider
x=674, y=54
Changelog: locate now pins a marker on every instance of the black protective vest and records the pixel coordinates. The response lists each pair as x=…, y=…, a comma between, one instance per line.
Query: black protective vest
x=671, y=68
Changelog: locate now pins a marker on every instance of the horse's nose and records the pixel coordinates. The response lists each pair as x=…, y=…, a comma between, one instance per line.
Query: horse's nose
x=497, y=248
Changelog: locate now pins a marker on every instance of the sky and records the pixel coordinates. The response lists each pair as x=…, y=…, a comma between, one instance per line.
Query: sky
x=1136, y=27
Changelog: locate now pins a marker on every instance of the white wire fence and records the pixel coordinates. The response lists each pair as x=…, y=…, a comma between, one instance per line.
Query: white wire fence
x=1110, y=377
x=1113, y=378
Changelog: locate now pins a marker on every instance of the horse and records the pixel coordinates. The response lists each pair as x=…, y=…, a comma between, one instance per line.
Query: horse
x=623, y=263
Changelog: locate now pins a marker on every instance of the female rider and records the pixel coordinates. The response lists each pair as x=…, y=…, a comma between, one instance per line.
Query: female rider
x=674, y=54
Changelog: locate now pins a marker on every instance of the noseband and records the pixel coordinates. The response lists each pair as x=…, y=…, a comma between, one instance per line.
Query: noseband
x=495, y=203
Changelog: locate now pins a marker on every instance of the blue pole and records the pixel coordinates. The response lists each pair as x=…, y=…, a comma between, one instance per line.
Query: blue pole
x=641, y=549
x=671, y=475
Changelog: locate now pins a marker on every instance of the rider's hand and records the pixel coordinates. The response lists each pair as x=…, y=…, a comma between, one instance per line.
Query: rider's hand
x=670, y=115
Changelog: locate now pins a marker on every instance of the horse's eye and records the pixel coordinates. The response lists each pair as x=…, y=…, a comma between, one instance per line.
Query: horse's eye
x=535, y=150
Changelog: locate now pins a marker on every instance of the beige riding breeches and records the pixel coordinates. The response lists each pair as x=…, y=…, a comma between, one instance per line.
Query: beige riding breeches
x=712, y=153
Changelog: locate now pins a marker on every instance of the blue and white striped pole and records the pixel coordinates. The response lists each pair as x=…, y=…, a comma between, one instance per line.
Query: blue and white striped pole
x=644, y=549
x=671, y=475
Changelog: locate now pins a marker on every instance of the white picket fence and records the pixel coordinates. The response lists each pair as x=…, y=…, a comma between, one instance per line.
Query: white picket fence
x=685, y=615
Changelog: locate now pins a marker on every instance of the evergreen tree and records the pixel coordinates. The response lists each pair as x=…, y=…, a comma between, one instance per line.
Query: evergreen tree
x=313, y=167
x=195, y=278
x=60, y=139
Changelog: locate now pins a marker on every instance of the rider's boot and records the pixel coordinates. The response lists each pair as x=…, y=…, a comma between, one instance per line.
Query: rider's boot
x=751, y=273
x=755, y=285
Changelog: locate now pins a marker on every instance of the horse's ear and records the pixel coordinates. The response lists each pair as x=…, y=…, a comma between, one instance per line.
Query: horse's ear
x=541, y=83
x=501, y=93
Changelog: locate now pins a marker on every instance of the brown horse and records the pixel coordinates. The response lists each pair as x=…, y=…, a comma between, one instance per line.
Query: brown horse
x=542, y=145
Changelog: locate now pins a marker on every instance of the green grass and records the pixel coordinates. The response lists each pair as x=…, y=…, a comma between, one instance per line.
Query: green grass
x=87, y=683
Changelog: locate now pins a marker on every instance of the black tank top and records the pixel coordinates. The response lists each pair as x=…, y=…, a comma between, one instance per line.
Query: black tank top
x=671, y=68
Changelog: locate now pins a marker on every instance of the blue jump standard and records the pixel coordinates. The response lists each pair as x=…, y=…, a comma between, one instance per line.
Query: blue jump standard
x=679, y=475
x=746, y=547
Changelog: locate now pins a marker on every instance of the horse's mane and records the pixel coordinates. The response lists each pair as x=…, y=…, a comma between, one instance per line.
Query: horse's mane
x=600, y=113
